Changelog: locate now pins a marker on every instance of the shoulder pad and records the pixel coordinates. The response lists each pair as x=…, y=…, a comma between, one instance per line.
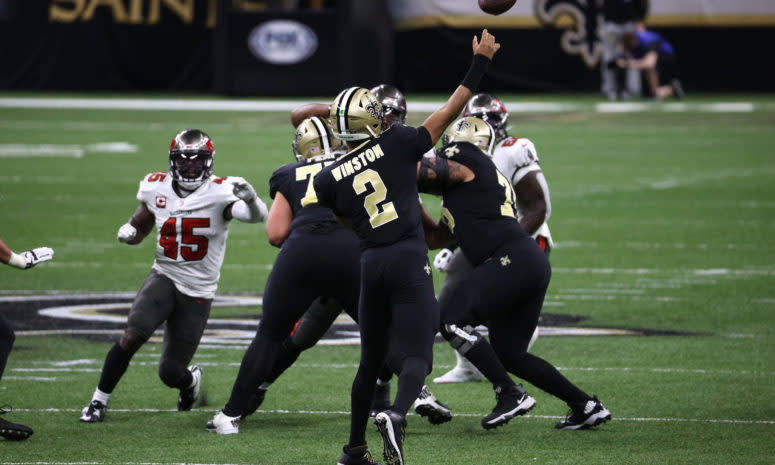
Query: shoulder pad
x=520, y=150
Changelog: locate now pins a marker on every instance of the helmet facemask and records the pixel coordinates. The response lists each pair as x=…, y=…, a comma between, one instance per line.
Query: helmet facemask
x=191, y=159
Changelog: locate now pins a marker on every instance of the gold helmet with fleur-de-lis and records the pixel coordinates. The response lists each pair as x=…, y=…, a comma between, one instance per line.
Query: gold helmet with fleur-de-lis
x=356, y=114
x=315, y=139
x=471, y=129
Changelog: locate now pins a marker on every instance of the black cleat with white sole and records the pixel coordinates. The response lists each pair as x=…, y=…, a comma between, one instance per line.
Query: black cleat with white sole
x=512, y=401
x=392, y=428
x=587, y=415
x=428, y=406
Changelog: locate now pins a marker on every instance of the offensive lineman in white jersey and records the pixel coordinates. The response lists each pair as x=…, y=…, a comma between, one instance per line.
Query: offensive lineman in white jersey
x=192, y=210
x=517, y=159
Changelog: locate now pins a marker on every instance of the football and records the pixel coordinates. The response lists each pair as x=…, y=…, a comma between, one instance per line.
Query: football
x=496, y=7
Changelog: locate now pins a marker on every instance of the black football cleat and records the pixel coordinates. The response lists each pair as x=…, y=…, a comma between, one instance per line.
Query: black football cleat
x=587, y=415
x=428, y=406
x=512, y=401
x=189, y=395
x=94, y=412
x=392, y=428
x=13, y=431
x=356, y=456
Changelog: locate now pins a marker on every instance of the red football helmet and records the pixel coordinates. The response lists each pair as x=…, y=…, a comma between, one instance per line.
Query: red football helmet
x=191, y=158
x=490, y=109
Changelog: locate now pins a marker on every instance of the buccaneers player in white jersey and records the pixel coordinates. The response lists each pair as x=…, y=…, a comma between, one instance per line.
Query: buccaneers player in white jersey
x=517, y=159
x=192, y=210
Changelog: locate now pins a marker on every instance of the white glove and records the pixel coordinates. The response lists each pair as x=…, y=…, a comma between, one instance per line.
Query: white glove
x=126, y=233
x=31, y=258
x=244, y=191
x=441, y=262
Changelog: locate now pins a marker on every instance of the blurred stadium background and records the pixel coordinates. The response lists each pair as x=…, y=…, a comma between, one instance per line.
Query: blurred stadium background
x=663, y=282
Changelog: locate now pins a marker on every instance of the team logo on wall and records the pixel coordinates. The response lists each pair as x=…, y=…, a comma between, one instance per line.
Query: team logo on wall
x=582, y=21
x=283, y=42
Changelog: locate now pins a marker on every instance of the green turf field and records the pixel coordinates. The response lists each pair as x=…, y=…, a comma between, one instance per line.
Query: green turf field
x=663, y=221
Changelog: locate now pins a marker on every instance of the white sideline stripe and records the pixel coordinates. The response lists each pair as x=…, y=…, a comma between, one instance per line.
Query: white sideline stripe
x=414, y=106
x=116, y=463
x=28, y=378
x=343, y=412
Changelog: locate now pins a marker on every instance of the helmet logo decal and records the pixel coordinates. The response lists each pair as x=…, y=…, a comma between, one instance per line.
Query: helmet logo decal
x=461, y=125
x=373, y=109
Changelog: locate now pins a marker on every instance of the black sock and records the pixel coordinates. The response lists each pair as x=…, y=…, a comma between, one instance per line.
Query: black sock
x=484, y=358
x=116, y=363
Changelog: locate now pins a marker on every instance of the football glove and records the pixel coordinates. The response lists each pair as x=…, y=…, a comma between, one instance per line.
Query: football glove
x=244, y=191
x=30, y=258
x=441, y=262
x=126, y=233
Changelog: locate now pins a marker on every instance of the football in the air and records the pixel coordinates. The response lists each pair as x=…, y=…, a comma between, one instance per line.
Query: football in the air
x=496, y=7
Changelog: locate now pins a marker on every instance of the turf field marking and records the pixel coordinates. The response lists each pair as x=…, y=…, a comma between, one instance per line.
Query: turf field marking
x=344, y=412
x=29, y=378
x=63, y=151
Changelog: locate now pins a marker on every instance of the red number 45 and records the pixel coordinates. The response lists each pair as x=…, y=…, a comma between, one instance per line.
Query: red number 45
x=194, y=247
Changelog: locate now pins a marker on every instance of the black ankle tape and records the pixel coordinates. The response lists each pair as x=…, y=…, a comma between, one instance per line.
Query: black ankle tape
x=478, y=67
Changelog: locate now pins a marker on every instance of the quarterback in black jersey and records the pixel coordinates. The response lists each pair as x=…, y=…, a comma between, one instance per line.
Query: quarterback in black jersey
x=506, y=288
x=373, y=188
x=308, y=235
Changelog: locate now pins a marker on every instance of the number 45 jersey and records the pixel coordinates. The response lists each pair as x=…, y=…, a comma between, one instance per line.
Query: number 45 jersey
x=191, y=231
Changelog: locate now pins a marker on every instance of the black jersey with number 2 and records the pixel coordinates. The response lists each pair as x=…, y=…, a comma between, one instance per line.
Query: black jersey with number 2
x=375, y=186
x=480, y=213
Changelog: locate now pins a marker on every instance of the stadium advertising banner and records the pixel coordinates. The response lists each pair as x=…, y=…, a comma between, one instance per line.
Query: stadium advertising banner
x=107, y=44
x=270, y=53
x=557, y=45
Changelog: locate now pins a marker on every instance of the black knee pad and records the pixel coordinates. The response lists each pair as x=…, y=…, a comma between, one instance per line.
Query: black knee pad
x=171, y=373
x=461, y=338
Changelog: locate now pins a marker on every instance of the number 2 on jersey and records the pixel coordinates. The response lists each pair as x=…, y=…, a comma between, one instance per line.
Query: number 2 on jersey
x=371, y=203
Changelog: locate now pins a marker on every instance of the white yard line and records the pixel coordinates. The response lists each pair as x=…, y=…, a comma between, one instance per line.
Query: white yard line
x=343, y=412
x=57, y=367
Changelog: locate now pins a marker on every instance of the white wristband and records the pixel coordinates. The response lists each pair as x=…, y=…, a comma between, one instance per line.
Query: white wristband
x=18, y=261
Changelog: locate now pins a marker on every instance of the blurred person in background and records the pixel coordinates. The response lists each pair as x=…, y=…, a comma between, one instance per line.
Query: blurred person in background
x=654, y=57
x=23, y=261
x=619, y=17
